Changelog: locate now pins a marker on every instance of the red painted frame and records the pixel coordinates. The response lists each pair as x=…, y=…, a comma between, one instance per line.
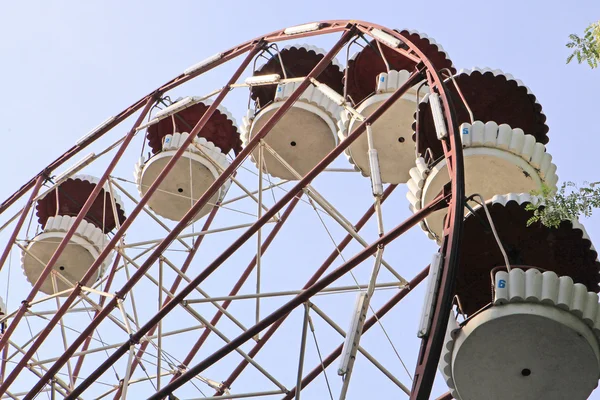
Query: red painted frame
x=431, y=345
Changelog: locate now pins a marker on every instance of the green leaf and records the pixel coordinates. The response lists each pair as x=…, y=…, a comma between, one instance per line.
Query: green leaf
x=568, y=203
x=570, y=58
x=586, y=48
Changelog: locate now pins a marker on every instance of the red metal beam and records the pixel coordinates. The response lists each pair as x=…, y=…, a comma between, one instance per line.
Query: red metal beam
x=431, y=345
x=275, y=208
x=329, y=26
x=365, y=29
x=368, y=324
x=106, y=289
x=238, y=285
x=320, y=271
x=174, y=286
x=71, y=298
x=153, y=257
x=316, y=276
x=227, y=56
x=38, y=184
x=193, y=211
x=63, y=244
x=300, y=298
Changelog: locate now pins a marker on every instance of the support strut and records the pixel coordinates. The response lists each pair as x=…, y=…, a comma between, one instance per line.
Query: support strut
x=188, y=217
x=368, y=324
x=152, y=258
x=318, y=273
x=431, y=345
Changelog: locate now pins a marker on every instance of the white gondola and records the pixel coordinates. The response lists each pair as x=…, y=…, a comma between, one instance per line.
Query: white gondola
x=302, y=137
x=197, y=169
x=497, y=160
x=392, y=132
x=73, y=263
x=305, y=134
x=541, y=332
x=373, y=74
x=85, y=245
x=540, y=328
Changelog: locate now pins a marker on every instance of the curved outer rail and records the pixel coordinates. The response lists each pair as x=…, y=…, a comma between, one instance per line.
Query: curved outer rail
x=431, y=345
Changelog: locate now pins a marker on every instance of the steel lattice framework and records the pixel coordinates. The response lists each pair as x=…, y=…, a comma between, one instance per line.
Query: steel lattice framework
x=142, y=333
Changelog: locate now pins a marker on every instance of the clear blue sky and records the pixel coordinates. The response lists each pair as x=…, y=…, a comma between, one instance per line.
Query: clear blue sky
x=67, y=65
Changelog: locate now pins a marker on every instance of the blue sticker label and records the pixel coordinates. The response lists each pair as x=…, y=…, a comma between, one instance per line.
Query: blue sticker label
x=501, y=283
x=279, y=88
x=382, y=79
x=465, y=131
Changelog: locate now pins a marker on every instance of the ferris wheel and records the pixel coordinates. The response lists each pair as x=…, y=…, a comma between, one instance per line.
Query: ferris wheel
x=195, y=257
